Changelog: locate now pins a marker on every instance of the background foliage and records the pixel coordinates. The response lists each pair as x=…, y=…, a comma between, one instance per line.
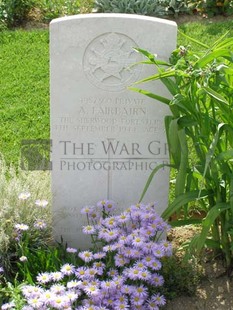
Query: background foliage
x=211, y=8
x=142, y=7
x=166, y=7
x=17, y=12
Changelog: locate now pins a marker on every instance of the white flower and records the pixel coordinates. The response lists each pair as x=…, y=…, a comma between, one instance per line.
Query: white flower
x=89, y=229
x=58, y=289
x=9, y=305
x=87, y=256
x=23, y=259
x=73, y=284
x=91, y=290
x=43, y=277
x=21, y=227
x=40, y=224
x=60, y=302
x=67, y=269
x=56, y=276
x=71, y=250
x=24, y=195
x=72, y=295
x=41, y=203
x=36, y=303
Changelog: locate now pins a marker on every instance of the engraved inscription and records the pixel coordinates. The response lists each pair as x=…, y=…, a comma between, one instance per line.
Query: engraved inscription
x=108, y=61
x=110, y=115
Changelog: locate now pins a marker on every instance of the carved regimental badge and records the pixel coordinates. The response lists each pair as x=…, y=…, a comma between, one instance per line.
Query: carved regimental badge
x=108, y=61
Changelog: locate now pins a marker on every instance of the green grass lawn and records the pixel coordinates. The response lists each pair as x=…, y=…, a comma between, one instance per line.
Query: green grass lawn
x=24, y=91
x=24, y=82
x=205, y=31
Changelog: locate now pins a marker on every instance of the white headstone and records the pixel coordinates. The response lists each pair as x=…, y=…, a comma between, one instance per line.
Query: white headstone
x=106, y=139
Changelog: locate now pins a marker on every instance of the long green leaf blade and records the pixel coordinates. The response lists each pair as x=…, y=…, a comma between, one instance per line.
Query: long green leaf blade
x=157, y=168
x=215, y=95
x=182, y=171
x=208, y=222
x=211, y=56
x=182, y=200
x=181, y=223
x=151, y=95
x=193, y=40
x=157, y=76
x=211, y=151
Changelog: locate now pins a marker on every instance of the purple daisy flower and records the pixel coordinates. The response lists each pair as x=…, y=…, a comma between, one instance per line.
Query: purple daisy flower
x=86, y=256
x=158, y=250
x=156, y=280
x=44, y=277
x=99, y=255
x=140, y=291
x=89, y=230
x=159, y=299
x=71, y=250
x=67, y=269
x=81, y=272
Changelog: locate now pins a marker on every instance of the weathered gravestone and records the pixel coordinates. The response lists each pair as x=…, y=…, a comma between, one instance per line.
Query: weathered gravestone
x=106, y=139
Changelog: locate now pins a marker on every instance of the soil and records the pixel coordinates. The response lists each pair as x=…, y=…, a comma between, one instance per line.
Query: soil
x=215, y=290
x=182, y=19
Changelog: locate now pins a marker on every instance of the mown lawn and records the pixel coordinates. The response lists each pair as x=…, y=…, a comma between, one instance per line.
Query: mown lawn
x=24, y=81
x=24, y=91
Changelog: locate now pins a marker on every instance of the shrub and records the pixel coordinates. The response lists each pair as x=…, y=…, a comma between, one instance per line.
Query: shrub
x=211, y=8
x=19, y=193
x=15, y=12
x=183, y=279
x=165, y=7
x=142, y=7
x=86, y=6
x=51, y=9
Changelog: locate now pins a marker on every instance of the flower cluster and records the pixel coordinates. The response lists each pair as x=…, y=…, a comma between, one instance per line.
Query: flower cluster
x=123, y=274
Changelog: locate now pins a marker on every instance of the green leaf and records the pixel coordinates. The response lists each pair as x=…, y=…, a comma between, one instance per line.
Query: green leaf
x=211, y=151
x=171, y=86
x=210, y=243
x=209, y=221
x=147, y=54
x=185, y=222
x=220, y=43
x=225, y=156
x=231, y=193
x=152, y=57
x=202, y=62
x=148, y=62
x=193, y=40
x=173, y=142
x=182, y=170
x=157, y=168
x=182, y=200
x=187, y=121
x=151, y=95
x=215, y=95
x=158, y=76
